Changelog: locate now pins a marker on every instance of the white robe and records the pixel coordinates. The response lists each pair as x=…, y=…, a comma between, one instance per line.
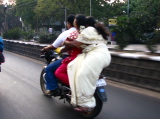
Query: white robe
x=84, y=71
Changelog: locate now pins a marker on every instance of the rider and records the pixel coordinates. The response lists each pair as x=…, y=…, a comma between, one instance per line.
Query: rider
x=51, y=68
x=84, y=70
x=61, y=72
x=1, y=52
x=80, y=20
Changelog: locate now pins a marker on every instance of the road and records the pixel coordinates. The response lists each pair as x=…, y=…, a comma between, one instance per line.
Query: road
x=21, y=96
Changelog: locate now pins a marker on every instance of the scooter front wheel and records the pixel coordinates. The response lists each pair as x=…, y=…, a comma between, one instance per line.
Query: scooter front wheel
x=43, y=83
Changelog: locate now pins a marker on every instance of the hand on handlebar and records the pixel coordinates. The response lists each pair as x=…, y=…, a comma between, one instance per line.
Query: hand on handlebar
x=45, y=49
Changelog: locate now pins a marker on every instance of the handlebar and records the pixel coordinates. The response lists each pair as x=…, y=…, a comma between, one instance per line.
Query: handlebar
x=49, y=55
x=42, y=56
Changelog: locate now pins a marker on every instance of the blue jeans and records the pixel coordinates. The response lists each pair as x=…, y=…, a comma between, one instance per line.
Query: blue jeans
x=51, y=79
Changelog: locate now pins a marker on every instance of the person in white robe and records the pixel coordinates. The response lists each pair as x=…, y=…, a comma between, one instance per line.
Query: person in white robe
x=85, y=69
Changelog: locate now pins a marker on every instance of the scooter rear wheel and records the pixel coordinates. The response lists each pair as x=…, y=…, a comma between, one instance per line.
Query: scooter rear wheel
x=95, y=112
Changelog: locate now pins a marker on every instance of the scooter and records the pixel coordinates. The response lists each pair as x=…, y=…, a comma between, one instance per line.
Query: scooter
x=65, y=91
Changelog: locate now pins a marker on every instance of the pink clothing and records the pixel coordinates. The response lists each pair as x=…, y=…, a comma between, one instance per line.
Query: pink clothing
x=61, y=72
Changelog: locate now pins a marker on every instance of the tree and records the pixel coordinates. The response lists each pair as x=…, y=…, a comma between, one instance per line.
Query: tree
x=1, y=17
x=9, y=17
x=143, y=18
x=25, y=10
x=101, y=10
x=146, y=12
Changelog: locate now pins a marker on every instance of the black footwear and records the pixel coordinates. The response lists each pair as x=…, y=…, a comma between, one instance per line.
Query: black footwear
x=55, y=92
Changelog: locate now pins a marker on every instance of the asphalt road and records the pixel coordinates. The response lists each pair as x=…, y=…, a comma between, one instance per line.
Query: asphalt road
x=21, y=96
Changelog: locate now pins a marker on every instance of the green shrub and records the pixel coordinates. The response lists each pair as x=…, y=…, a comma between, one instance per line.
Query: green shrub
x=14, y=34
x=6, y=35
x=151, y=44
x=47, y=38
x=121, y=40
x=28, y=35
x=157, y=36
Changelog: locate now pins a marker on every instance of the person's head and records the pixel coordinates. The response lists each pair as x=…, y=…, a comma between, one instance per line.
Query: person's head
x=101, y=29
x=80, y=20
x=90, y=21
x=70, y=20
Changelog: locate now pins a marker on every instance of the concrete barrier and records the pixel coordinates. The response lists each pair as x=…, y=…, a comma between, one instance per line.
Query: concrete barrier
x=134, y=69
x=142, y=71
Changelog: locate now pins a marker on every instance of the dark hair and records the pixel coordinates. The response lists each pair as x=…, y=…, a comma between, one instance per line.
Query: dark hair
x=70, y=19
x=101, y=29
x=81, y=20
x=90, y=21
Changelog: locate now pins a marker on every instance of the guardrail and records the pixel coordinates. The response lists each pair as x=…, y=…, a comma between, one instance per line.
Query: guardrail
x=31, y=50
x=141, y=71
x=137, y=70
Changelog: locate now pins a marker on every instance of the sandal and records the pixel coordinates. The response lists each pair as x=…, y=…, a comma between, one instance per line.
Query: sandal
x=83, y=109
